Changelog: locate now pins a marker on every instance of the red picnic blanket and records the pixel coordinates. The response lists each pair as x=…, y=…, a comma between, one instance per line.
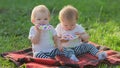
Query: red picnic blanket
x=24, y=57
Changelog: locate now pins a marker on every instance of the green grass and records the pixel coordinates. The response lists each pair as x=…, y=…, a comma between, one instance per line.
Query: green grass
x=101, y=19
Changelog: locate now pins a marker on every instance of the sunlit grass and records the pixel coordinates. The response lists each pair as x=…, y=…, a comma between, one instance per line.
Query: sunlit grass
x=106, y=34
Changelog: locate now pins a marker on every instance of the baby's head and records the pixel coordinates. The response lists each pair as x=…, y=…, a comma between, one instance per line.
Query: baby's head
x=40, y=15
x=68, y=17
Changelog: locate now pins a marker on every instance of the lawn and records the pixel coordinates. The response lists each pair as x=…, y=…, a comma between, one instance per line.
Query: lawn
x=101, y=19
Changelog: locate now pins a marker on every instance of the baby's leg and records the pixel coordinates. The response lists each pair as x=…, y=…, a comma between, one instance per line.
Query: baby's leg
x=94, y=51
x=88, y=48
x=85, y=48
x=70, y=54
x=101, y=55
x=55, y=52
x=40, y=55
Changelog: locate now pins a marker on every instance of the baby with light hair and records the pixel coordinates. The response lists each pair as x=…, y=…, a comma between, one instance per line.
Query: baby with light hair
x=43, y=36
x=73, y=36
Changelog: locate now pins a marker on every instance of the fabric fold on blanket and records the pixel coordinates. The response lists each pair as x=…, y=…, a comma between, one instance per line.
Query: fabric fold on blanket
x=24, y=57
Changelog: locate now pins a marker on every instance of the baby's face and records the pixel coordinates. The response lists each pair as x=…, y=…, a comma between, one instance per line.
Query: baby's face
x=41, y=18
x=68, y=25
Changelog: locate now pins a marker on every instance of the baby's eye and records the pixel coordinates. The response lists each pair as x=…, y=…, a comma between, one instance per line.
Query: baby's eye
x=65, y=25
x=38, y=19
x=45, y=19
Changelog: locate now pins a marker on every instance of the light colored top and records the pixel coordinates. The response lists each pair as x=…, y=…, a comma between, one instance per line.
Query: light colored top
x=46, y=43
x=71, y=43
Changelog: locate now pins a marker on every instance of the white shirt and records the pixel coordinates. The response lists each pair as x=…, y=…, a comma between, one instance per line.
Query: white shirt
x=71, y=43
x=46, y=43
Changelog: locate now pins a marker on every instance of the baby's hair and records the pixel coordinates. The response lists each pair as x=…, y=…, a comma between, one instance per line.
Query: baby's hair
x=37, y=9
x=69, y=13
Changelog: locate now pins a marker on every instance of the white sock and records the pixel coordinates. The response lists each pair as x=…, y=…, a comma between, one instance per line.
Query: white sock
x=74, y=58
x=102, y=55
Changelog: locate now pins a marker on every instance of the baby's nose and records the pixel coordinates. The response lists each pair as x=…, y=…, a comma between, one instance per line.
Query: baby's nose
x=69, y=27
x=42, y=20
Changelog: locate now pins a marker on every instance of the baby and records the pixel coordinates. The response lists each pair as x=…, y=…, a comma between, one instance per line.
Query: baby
x=42, y=35
x=73, y=36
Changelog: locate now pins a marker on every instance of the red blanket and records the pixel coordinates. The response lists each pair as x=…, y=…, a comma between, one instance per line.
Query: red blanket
x=86, y=60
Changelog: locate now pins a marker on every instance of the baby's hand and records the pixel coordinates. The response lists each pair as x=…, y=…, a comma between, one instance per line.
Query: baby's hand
x=63, y=40
x=78, y=34
x=83, y=36
x=37, y=28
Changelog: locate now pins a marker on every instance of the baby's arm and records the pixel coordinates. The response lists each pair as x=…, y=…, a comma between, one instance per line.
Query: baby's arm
x=83, y=36
x=36, y=38
x=57, y=42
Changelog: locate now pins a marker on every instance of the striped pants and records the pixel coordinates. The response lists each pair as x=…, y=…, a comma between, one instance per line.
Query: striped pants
x=82, y=49
x=51, y=54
